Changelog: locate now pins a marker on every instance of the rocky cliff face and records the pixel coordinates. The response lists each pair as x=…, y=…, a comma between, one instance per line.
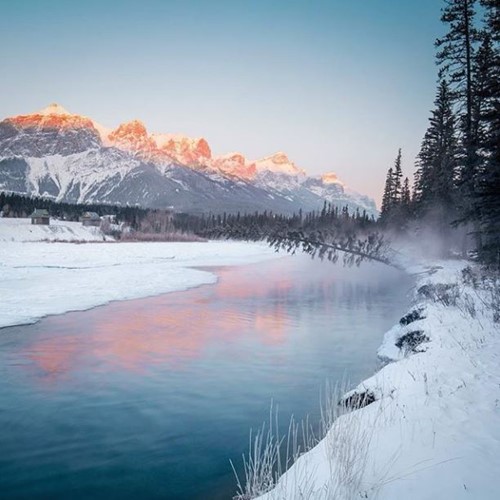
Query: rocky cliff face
x=44, y=133
x=72, y=158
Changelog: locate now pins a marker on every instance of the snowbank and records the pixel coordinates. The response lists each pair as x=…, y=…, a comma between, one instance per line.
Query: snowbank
x=431, y=428
x=23, y=230
x=41, y=278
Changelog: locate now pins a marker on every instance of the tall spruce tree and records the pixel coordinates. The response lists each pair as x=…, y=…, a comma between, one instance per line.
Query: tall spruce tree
x=455, y=56
x=487, y=197
x=406, y=196
x=398, y=179
x=391, y=210
x=434, y=188
x=388, y=194
x=483, y=65
x=456, y=52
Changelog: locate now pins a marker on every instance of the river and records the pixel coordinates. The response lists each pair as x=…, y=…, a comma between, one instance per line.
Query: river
x=151, y=398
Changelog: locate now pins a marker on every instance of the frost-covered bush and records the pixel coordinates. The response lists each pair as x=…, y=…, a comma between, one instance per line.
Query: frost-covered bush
x=446, y=293
x=271, y=454
x=412, y=316
x=486, y=284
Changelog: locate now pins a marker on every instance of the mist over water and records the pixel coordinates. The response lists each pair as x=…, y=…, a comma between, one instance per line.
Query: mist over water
x=434, y=236
x=151, y=398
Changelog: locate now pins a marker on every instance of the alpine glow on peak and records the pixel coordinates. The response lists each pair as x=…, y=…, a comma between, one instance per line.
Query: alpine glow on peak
x=71, y=157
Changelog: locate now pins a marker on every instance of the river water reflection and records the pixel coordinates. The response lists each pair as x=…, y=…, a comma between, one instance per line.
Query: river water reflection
x=151, y=398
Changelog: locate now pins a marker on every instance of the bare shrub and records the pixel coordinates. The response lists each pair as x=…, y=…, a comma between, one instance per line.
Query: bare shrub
x=271, y=454
x=486, y=287
x=446, y=293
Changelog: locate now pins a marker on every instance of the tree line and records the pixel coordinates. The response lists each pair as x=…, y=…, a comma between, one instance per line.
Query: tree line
x=16, y=205
x=457, y=177
x=249, y=226
x=259, y=224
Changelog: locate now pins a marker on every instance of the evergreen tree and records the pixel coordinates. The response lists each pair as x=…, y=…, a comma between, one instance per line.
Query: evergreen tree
x=458, y=166
x=436, y=161
x=455, y=58
x=406, y=196
x=482, y=91
x=487, y=198
x=456, y=52
x=397, y=180
x=388, y=194
x=391, y=210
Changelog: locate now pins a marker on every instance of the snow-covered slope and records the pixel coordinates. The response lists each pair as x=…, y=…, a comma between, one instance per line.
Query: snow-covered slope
x=70, y=157
x=431, y=425
x=21, y=230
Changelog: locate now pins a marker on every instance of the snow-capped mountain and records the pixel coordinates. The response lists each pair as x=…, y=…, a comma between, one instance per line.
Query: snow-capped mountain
x=72, y=158
x=235, y=165
x=278, y=163
x=184, y=150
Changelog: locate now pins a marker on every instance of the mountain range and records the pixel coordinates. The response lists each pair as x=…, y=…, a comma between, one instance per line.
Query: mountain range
x=69, y=157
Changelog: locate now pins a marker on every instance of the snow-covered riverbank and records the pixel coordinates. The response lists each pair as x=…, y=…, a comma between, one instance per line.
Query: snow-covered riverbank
x=17, y=230
x=40, y=278
x=431, y=429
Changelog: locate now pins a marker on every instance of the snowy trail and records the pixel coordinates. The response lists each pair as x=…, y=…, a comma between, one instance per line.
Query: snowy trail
x=38, y=278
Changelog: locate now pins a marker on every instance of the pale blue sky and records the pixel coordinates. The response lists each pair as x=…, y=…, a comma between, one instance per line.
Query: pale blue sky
x=338, y=85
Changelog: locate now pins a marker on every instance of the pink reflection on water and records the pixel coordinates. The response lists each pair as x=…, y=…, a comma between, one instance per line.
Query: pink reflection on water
x=172, y=329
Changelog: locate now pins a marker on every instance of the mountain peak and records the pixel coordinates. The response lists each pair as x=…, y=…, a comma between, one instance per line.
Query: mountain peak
x=331, y=178
x=53, y=116
x=278, y=163
x=53, y=109
x=133, y=137
x=280, y=157
x=234, y=164
x=233, y=155
x=134, y=127
x=186, y=150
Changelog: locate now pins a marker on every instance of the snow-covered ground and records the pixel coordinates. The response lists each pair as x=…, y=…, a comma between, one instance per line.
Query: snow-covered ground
x=433, y=431
x=23, y=230
x=40, y=278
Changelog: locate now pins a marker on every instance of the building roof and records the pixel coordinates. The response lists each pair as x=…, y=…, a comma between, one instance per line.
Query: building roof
x=91, y=215
x=40, y=212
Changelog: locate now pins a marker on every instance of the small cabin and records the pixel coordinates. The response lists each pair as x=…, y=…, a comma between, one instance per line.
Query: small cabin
x=90, y=219
x=40, y=216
